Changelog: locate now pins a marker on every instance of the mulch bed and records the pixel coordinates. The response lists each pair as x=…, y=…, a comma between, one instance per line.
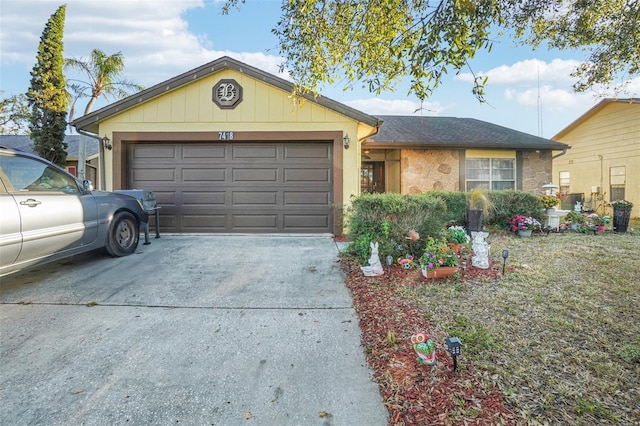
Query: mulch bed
x=416, y=394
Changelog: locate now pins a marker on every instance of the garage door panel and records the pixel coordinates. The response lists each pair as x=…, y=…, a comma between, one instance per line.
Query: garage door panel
x=155, y=152
x=237, y=186
x=204, y=175
x=204, y=151
x=203, y=198
x=255, y=175
x=307, y=175
x=314, y=152
x=261, y=152
x=247, y=198
x=154, y=175
x=200, y=223
x=292, y=198
x=306, y=222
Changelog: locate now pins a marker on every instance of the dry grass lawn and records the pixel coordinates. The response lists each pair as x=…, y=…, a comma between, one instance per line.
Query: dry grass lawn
x=559, y=334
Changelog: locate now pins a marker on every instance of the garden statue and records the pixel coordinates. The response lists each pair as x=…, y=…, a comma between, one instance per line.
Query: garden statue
x=375, y=265
x=413, y=235
x=481, y=249
x=424, y=347
x=578, y=206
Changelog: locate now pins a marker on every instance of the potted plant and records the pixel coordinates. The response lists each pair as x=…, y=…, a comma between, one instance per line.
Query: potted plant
x=438, y=260
x=597, y=222
x=457, y=235
x=549, y=201
x=575, y=219
x=621, y=214
x=479, y=206
x=524, y=225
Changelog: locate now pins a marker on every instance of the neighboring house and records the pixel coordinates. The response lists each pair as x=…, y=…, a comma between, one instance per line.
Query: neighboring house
x=226, y=148
x=24, y=143
x=604, y=162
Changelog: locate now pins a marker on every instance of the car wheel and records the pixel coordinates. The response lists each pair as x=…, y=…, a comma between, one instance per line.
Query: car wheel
x=123, y=235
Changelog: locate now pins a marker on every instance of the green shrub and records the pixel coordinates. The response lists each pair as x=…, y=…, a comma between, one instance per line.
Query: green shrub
x=387, y=218
x=509, y=203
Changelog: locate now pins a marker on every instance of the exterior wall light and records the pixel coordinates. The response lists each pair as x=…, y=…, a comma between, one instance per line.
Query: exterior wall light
x=346, y=140
x=106, y=143
x=453, y=346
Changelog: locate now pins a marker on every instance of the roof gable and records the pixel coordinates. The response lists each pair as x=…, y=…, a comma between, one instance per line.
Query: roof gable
x=635, y=102
x=453, y=132
x=91, y=121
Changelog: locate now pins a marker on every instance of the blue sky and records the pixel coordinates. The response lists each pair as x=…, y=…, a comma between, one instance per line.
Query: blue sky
x=163, y=38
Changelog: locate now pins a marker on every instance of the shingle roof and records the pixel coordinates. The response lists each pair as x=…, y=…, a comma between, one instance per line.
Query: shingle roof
x=452, y=132
x=24, y=143
x=90, y=121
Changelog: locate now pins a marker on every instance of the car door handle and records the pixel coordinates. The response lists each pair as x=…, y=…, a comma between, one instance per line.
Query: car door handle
x=30, y=202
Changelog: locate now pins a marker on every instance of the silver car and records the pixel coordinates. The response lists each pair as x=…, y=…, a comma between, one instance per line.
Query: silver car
x=47, y=214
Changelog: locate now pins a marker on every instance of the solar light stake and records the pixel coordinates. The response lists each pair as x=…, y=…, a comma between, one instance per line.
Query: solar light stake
x=389, y=263
x=453, y=345
x=505, y=254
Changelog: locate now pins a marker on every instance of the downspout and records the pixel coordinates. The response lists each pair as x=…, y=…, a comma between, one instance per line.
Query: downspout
x=103, y=177
x=564, y=151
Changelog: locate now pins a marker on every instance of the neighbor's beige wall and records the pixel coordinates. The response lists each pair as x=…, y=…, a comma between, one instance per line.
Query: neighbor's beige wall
x=609, y=138
x=263, y=108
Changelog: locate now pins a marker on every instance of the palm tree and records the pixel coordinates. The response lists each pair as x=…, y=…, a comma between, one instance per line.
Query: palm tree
x=103, y=74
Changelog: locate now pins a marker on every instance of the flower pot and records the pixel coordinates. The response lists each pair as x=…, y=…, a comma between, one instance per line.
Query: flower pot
x=441, y=272
x=524, y=233
x=621, y=219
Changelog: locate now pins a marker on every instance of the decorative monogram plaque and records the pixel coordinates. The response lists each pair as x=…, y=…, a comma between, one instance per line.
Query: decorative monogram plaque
x=227, y=93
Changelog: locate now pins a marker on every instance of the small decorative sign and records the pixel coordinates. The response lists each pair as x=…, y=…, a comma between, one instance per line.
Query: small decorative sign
x=227, y=93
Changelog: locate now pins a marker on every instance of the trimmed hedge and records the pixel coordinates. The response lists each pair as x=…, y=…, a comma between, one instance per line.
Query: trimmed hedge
x=387, y=218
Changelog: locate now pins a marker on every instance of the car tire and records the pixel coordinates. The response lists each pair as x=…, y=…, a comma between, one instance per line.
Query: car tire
x=123, y=235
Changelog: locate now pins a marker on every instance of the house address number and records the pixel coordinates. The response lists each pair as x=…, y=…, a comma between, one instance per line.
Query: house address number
x=225, y=136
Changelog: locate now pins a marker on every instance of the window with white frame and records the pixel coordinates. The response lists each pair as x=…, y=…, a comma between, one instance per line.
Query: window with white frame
x=491, y=173
x=617, y=179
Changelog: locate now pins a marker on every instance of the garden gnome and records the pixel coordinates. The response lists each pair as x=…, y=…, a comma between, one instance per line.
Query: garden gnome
x=481, y=249
x=375, y=265
x=424, y=347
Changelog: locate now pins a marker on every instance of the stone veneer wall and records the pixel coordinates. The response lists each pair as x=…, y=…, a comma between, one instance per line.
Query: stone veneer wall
x=429, y=169
x=536, y=171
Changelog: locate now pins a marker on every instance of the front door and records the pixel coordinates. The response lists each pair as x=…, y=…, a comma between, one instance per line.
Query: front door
x=372, y=177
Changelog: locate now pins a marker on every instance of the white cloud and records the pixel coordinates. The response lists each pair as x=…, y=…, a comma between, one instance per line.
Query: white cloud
x=528, y=72
x=376, y=106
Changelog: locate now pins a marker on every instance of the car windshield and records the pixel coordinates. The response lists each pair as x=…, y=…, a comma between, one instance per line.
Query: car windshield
x=28, y=174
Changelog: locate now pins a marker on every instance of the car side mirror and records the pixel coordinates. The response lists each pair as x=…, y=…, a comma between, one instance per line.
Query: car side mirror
x=87, y=185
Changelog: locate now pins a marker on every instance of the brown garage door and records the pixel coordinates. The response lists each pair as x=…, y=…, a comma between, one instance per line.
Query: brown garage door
x=237, y=187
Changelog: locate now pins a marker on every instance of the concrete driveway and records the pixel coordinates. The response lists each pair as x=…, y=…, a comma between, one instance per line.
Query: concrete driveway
x=192, y=329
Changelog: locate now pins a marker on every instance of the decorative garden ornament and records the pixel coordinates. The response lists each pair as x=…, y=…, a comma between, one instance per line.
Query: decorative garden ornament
x=413, y=235
x=424, y=347
x=375, y=265
x=481, y=249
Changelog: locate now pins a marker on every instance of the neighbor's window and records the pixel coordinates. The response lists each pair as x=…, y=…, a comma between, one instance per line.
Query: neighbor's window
x=617, y=178
x=564, y=182
x=491, y=173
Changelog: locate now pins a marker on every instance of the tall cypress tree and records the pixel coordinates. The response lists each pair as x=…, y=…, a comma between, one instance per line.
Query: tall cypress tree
x=47, y=95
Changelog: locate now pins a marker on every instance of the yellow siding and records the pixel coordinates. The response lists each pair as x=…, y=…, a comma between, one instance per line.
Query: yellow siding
x=608, y=138
x=263, y=108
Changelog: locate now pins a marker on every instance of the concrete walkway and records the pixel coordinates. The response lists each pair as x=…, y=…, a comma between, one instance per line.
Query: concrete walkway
x=192, y=329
